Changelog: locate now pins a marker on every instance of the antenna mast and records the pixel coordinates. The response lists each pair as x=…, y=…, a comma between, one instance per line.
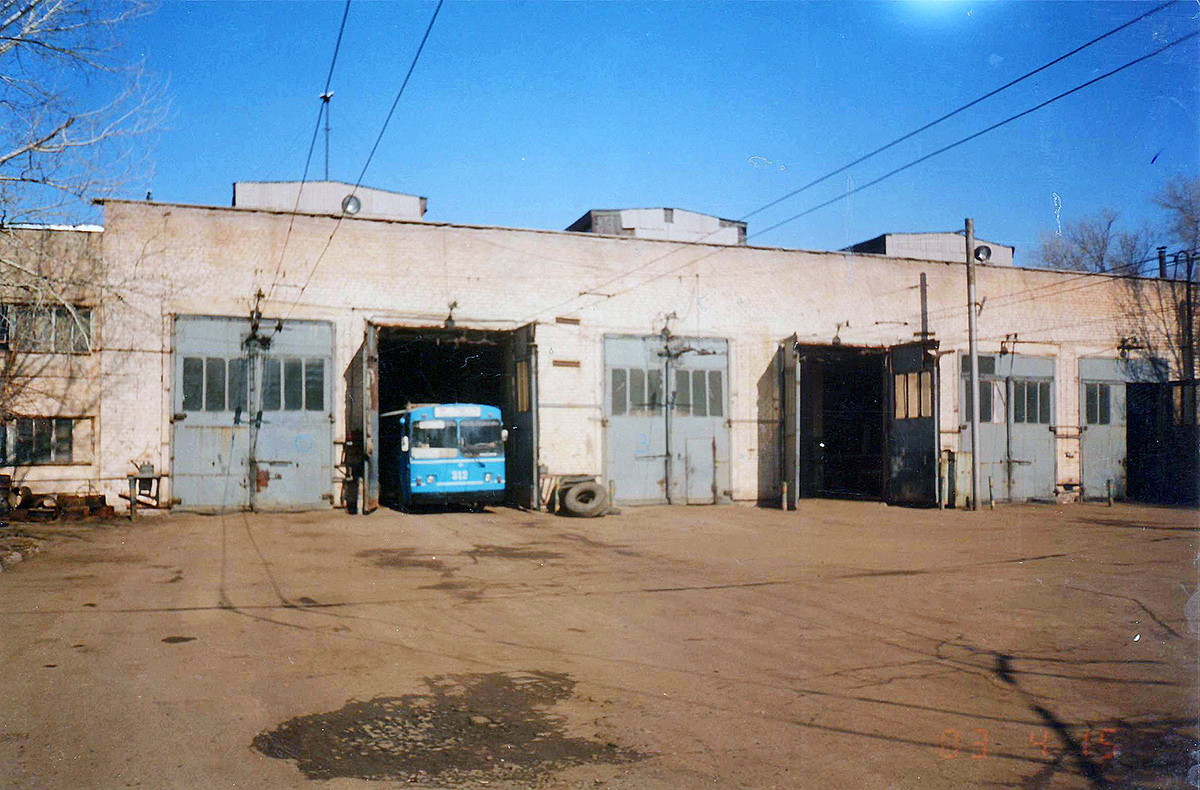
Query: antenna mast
x=325, y=97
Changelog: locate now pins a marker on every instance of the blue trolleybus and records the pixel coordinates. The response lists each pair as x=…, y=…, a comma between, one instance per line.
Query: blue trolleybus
x=442, y=453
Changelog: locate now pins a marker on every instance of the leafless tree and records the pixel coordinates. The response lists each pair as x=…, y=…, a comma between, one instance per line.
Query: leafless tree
x=1180, y=198
x=74, y=116
x=1152, y=308
x=1095, y=244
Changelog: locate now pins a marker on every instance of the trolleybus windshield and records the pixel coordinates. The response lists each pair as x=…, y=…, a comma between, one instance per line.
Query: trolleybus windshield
x=480, y=437
x=435, y=439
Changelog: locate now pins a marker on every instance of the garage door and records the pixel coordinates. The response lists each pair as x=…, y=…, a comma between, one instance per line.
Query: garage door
x=1017, y=445
x=252, y=421
x=666, y=407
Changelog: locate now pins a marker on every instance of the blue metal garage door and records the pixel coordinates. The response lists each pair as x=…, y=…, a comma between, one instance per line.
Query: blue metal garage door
x=252, y=421
x=666, y=407
x=1017, y=445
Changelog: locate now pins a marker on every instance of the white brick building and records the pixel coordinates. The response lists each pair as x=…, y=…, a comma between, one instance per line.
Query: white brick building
x=669, y=367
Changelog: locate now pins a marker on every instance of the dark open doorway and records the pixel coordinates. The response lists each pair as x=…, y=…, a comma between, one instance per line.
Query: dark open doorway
x=860, y=423
x=842, y=422
x=400, y=366
x=440, y=366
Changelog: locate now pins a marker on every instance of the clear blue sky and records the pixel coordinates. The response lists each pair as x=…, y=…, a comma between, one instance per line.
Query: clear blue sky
x=528, y=114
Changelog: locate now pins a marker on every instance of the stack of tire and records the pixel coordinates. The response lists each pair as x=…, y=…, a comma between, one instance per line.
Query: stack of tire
x=584, y=500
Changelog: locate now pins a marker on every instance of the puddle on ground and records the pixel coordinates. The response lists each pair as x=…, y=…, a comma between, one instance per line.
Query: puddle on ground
x=405, y=558
x=467, y=727
x=511, y=553
x=590, y=543
x=465, y=591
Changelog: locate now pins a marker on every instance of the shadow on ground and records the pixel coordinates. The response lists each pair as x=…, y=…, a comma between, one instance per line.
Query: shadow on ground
x=465, y=728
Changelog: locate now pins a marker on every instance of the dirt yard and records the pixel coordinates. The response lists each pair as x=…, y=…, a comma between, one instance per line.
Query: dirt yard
x=848, y=645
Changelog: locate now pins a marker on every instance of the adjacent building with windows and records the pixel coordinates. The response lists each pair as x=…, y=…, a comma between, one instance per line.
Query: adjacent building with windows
x=247, y=351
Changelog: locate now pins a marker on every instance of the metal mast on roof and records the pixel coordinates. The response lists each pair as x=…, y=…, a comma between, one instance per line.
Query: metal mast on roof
x=325, y=97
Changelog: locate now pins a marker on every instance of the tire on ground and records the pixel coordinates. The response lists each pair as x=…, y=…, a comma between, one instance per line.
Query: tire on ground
x=586, y=500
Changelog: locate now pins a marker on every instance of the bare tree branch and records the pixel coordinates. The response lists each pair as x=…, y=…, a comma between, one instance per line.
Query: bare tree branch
x=60, y=148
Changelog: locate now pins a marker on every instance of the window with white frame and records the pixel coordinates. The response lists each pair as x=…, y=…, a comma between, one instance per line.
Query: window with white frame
x=47, y=328
x=41, y=441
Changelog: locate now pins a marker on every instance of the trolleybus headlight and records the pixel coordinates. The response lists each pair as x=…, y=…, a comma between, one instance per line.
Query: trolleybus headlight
x=487, y=477
x=429, y=479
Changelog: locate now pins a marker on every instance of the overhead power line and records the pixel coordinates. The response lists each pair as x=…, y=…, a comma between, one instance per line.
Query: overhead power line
x=915, y=162
x=311, y=147
x=980, y=133
x=886, y=146
x=412, y=67
x=954, y=112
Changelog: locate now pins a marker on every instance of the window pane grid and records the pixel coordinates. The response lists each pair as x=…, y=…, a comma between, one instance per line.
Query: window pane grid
x=637, y=390
x=293, y=384
x=683, y=392
x=272, y=388
x=314, y=385
x=699, y=394
x=237, y=385
x=45, y=328
x=619, y=391
x=214, y=384
x=193, y=384
x=716, y=394
x=654, y=390
x=37, y=440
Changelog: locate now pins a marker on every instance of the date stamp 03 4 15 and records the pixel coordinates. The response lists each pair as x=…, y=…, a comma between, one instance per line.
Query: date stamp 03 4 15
x=1096, y=743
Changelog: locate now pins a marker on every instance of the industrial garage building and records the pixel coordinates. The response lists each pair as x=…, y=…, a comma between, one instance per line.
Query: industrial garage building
x=246, y=352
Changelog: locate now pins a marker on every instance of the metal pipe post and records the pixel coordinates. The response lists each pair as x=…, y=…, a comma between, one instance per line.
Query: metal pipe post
x=973, y=343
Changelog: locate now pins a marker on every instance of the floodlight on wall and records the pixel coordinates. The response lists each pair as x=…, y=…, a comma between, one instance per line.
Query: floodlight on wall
x=351, y=205
x=983, y=253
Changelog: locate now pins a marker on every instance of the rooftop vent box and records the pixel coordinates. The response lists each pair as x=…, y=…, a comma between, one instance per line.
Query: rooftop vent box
x=336, y=198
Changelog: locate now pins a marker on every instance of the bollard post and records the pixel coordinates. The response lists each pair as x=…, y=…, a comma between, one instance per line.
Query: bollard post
x=1108, y=484
x=991, y=495
x=783, y=500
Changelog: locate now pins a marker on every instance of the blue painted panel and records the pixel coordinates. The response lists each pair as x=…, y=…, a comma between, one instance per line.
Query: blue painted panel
x=666, y=407
x=210, y=438
x=294, y=443
x=221, y=458
x=1017, y=447
x=1102, y=420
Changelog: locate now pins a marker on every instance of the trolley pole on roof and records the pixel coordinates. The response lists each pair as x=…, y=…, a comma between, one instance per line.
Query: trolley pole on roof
x=973, y=345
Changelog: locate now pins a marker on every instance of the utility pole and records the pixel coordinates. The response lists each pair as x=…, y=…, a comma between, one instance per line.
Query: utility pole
x=973, y=341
